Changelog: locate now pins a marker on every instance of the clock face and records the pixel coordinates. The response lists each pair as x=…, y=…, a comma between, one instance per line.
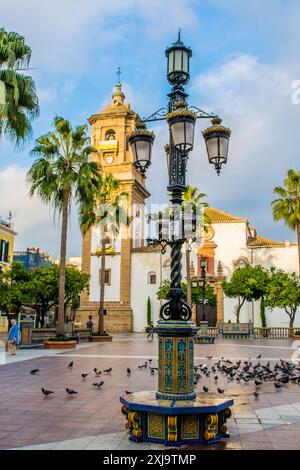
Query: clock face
x=109, y=159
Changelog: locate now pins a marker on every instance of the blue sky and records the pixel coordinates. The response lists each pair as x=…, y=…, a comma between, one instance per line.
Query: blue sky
x=245, y=59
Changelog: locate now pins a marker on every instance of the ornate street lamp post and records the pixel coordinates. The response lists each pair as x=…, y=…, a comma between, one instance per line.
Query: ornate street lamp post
x=175, y=414
x=203, y=284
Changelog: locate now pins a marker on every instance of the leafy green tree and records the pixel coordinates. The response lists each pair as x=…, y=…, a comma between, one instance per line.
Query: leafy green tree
x=106, y=213
x=284, y=292
x=38, y=289
x=196, y=293
x=192, y=203
x=287, y=206
x=263, y=312
x=246, y=284
x=42, y=287
x=76, y=282
x=149, y=313
x=61, y=173
x=18, y=100
x=13, y=290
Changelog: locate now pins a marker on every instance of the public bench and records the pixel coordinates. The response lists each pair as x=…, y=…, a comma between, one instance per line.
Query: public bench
x=236, y=330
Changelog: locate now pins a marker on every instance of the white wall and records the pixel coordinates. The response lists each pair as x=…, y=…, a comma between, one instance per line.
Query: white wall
x=112, y=292
x=285, y=258
x=141, y=265
x=231, y=245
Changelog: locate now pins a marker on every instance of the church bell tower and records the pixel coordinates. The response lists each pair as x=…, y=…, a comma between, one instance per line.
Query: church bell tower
x=110, y=130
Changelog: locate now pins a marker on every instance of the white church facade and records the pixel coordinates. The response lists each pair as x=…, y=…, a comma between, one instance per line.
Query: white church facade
x=135, y=271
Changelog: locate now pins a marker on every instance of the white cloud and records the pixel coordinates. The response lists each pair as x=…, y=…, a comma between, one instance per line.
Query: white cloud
x=33, y=220
x=254, y=98
x=66, y=35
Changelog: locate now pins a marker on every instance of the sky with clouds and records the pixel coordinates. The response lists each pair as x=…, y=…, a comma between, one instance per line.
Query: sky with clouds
x=245, y=61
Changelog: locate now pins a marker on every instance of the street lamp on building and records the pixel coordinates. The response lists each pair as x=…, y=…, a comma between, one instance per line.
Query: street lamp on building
x=175, y=330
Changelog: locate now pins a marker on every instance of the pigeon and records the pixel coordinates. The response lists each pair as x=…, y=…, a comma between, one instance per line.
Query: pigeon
x=46, y=392
x=277, y=386
x=257, y=382
x=259, y=356
x=84, y=375
x=34, y=371
x=149, y=360
x=128, y=371
x=70, y=391
x=143, y=366
x=99, y=385
x=220, y=391
x=70, y=365
x=97, y=372
x=209, y=357
x=256, y=394
x=127, y=392
x=107, y=371
x=284, y=379
x=205, y=389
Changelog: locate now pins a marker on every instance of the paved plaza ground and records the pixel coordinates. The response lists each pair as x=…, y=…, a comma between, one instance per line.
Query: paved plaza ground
x=92, y=419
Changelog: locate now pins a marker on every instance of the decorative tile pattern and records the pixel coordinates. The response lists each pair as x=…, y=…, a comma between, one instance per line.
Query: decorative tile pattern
x=190, y=427
x=169, y=364
x=156, y=426
x=181, y=372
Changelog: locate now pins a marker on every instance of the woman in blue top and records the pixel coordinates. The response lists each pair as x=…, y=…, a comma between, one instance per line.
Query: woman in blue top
x=13, y=337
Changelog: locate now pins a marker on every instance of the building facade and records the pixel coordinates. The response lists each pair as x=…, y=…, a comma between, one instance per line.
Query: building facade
x=7, y=240
x=134, y=271
x=32, y=258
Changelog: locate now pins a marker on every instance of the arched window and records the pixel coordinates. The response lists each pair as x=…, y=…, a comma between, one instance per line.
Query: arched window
x=152, y=277
x=110, y=135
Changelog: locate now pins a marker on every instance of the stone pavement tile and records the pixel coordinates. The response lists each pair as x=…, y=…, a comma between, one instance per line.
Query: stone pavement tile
x=73, y=444
x=95, y=412
x=47, y=446
x=259, y=436
x=257, y=446
x=247, y=421
x=286, y=446
x=249, y=428
x=244, y=415
x=12, y=442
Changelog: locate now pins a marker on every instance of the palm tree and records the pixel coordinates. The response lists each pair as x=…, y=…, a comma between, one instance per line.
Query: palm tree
x=107, y=213
x=192, y=202
x=287, y=206
x=62, y=172
x=18, y=100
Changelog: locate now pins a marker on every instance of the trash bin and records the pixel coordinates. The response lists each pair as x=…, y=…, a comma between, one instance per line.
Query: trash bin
x=26, y=327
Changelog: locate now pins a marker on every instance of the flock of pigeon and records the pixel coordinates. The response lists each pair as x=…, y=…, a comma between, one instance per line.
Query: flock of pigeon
x=70, y=391
x=252, y=370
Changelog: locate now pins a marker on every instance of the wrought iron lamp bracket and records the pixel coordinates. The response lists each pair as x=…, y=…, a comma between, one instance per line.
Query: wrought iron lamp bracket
x=160, y=114
x=154, y=242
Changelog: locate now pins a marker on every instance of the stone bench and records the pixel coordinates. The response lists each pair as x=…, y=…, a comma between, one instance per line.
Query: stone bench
x=204, y=339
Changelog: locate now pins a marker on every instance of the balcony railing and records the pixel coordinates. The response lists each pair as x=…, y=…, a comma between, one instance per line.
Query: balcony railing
x=262, y=333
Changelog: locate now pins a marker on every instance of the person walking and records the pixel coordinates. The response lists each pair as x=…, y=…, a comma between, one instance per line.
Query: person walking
x=150, y=331
x=13, y=338
x=90, y=323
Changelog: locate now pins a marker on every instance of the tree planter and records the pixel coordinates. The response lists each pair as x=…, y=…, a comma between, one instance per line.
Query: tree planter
x=60, y=344
x=100, y=339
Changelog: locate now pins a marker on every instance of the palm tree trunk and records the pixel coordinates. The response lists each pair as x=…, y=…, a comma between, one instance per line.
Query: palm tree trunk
x=298, y=237
x=102, y=288
x=60, y=328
